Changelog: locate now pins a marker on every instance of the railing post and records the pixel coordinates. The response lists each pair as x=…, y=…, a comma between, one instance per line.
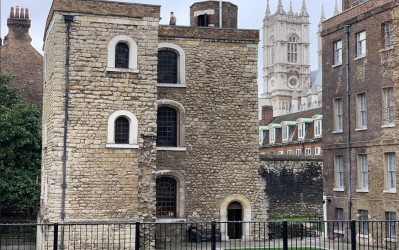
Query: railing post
x=353, y=235
x=213, y=235
x=55, y=243
x=137, y=247
x=285, y=235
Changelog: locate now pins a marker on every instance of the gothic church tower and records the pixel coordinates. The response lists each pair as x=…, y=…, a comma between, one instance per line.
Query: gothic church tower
x=286, y=65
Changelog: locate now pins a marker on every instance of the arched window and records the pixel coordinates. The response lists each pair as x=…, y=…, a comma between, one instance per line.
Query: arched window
x=292, y=49
x=167, y=66
x=122, y=130
x=122, y=55
x=167, y=127
x=171, y=65
x=166, y=188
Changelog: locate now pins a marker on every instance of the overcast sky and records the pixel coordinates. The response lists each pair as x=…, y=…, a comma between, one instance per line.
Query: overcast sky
x=250, y=15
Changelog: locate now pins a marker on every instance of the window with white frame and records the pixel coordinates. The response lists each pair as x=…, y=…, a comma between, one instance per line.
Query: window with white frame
x=122, y=130
x=339, y=172
x=308, y=151
x=361, y=113
x=390, y=166
x=171, y=65
x=280, y=152
x=364, y=224
x=262, y=136
x=338, y=52
x=286, y=133
x=292, y=49
x=340, y=219
x=317, y=151
x=361, y=44
x=301, y=131
x=122, y=54
x=388, y=35
x=391, y=225
x=272, y=135
x=299, y=151
x=338, y=115
x=289, y=152
x=363, y=172
x=318, y=129
x=388, y=109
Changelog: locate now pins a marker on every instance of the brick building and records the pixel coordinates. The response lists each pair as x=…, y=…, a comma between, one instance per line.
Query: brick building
x=162, y=120
x=18, y=57
x=298, y=133
x=361, y=177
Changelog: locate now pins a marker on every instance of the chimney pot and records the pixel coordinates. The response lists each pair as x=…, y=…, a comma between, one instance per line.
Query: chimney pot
x=26, y=13
x=12, y=13
x=17, y=12
x=22, y=15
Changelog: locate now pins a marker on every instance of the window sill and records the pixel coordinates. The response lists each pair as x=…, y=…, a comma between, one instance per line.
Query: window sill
x=364, y=236
x=359, y=57
x=121, y=146
x=339, y=231
x=318, y=136
x=337, y=132
x=360, y=129
x=362, y=190
x=387, y=49
x=178, y=149
x=123, y=70
x=170, y=220
x=388, y=126
x=391, y=239
x=337, y=65
x=390, y=191
x=172, y=85
x=339, y=189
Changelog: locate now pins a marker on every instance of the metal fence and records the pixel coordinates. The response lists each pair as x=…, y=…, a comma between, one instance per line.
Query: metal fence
x=315, y=235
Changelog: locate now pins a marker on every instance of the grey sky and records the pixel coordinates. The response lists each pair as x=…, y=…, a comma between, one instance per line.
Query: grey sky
x=250, y=15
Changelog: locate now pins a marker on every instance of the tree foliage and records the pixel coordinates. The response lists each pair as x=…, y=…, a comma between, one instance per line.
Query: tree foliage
x=20, y=149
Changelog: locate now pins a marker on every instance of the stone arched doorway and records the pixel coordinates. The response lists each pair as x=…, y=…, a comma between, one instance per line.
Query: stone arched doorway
x=239, y=203
x=234, y=217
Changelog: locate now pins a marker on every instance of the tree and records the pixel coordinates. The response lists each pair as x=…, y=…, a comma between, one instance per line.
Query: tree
x=20, y=149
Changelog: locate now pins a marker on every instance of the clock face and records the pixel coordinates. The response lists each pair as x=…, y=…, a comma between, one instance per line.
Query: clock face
x=293, y=82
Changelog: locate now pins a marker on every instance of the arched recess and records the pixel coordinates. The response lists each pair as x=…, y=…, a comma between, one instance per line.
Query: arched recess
x=181, y=75
x=181, y=186
x=247, y=214
x=132, y=54
x=133, y=129
x=181, y=122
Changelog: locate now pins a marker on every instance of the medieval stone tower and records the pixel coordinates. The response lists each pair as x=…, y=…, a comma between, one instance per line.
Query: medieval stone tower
x=18, y=57
x=286, y=65
x=149, y=122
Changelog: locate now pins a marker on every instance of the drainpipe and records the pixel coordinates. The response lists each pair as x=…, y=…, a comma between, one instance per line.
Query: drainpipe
x=349, y=147
x=220, y=14
x=68, y=20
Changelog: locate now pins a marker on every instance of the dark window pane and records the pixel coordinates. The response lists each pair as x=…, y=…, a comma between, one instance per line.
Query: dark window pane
x=167, y=66
x=166, y=197
x=122, y=56
x=167, y=127
x=122, y=131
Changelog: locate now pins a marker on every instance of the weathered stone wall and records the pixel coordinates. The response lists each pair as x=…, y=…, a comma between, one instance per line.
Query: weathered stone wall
x=19, y=58
x=221, y=122
x=294, y=185
x=102, y=183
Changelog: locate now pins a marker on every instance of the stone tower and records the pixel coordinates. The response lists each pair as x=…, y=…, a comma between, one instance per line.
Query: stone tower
x=148, y=122
x=286, y=65
x=18, y=57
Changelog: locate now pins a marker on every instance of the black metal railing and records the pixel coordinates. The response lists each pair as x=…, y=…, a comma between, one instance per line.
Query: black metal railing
x=203, y=235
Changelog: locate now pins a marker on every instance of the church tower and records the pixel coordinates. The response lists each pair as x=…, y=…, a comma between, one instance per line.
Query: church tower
x=286, y=65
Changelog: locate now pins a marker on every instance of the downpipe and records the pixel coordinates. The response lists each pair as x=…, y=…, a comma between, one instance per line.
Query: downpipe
x=349, y=146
